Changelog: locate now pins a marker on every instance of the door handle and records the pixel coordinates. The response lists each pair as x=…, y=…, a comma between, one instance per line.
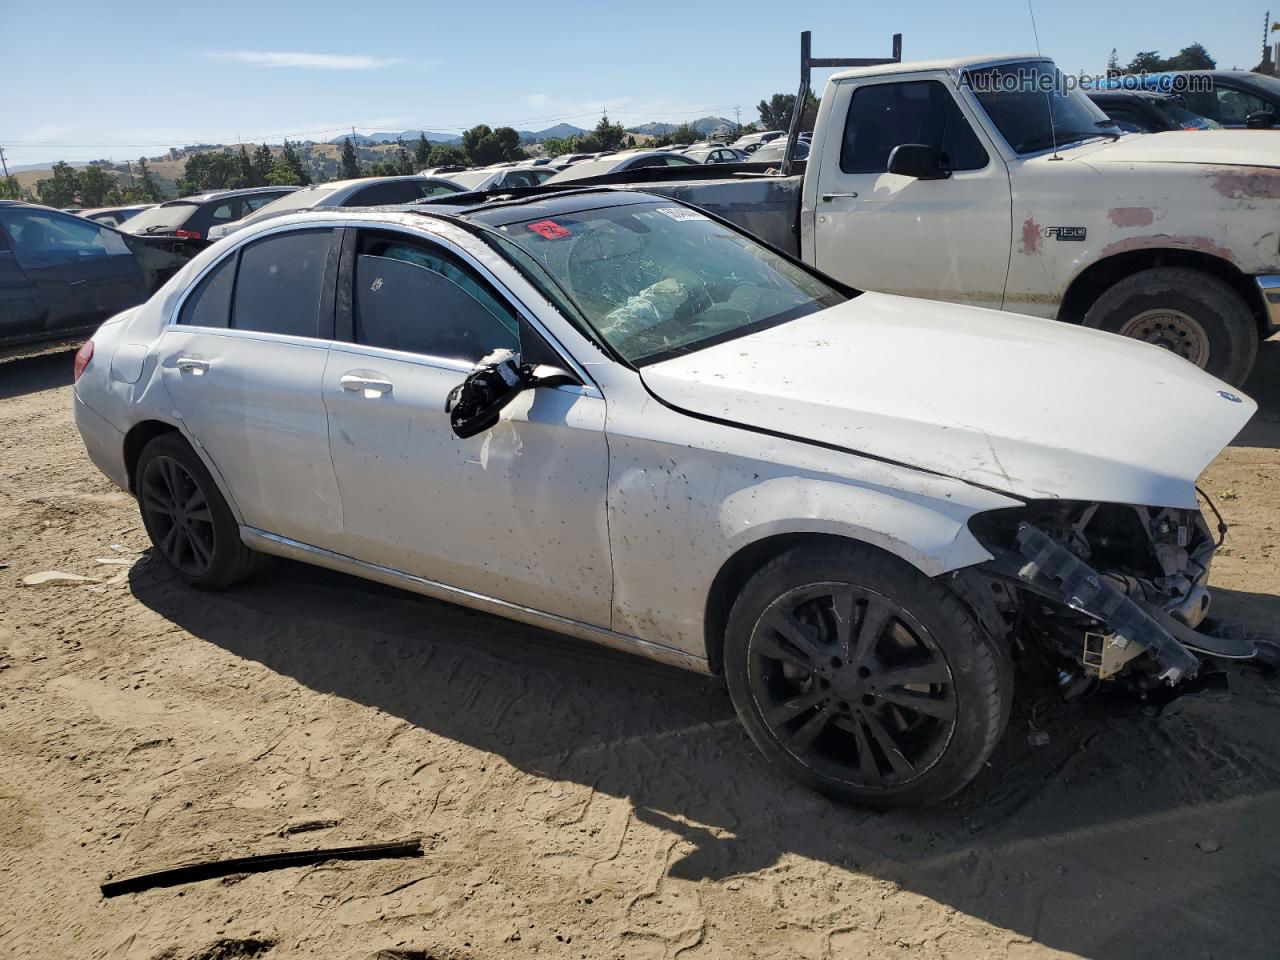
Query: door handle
x=365, y=385
x=192, y=365
x=828, y=197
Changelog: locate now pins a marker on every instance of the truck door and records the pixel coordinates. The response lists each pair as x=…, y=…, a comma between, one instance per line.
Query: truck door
x=945, y=239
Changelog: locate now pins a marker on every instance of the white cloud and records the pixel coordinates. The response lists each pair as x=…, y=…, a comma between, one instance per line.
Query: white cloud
x=306, y=61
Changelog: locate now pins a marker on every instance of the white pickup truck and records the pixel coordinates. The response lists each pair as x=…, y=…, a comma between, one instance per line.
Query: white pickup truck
x=984, y=181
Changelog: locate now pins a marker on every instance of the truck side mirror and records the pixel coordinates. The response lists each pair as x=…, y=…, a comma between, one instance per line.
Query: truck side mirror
x=1262, y=120
x=918, y=160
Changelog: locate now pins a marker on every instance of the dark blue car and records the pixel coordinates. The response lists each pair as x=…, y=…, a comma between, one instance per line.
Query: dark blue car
x=1233, y=98
x=62, y=275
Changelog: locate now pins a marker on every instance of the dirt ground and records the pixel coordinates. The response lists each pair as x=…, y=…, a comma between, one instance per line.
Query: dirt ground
x=574, y=803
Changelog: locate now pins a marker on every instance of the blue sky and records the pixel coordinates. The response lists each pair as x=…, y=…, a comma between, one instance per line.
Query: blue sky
x=91, y=79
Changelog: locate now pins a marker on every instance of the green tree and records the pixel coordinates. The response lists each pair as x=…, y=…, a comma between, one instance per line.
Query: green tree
x=421, y=150
x=262, y=162
x=144, y=188
x=1194, y=57
x=1113, y=64
x=292, y=161
x=559, y=146
x=350, y=162
x=248, y=177
x=481, y=146
x=10, y=189
x=775, y=113
x=283, y=174
x=212, y=170
x=605, y=136
x=62, y=189
x=1145, y=61
x=97, y=187
x=446, y=154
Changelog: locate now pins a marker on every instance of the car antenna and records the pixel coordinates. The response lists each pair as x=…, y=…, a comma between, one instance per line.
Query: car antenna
x=1048, y=98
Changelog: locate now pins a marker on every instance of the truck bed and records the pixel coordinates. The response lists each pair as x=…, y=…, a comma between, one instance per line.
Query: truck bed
x=745, y=194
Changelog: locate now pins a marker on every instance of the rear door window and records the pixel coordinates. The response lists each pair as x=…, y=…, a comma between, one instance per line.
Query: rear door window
x=258, y=201
x=397, y=191
x=420, y=298
x=224, y=211
x=886, y=115
x=280, y=284
x=209, y=305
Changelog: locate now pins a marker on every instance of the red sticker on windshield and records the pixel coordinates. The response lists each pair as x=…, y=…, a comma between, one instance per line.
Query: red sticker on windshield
x=550, y=229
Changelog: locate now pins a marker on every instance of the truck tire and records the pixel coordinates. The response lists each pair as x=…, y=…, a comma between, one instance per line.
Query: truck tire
x=187, y=519
x=863, y=679
x=1186, y=311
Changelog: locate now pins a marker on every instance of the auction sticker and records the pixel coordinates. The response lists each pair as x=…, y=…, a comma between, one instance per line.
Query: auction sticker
x=550, y=230
x=681, y=213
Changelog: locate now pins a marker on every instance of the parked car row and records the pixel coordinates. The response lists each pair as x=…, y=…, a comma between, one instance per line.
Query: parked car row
x=194, y=216
x=362, y=192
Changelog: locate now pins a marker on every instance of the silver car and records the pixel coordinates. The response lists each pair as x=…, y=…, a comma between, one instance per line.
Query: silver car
x=505, y=177
x=609, y=414
x=617, y=162
x=361, y=192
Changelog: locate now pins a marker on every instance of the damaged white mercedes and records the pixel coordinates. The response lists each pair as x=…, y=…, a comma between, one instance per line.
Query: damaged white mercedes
x=617, y=417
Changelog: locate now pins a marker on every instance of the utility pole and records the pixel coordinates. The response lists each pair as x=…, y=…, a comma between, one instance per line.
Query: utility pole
x=4, y=163
x=737, y=118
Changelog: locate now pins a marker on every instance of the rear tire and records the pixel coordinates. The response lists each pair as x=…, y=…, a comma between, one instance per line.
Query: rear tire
x=187, y=519
x=896, y=701
x=1189, y=312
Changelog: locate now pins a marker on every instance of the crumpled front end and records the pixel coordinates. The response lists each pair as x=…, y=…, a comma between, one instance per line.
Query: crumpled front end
x=1107, y=592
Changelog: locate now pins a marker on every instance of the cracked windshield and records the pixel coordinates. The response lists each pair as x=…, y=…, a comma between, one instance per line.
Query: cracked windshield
x=657, y=280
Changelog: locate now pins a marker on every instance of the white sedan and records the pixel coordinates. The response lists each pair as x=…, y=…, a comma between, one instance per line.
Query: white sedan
x=614, y=416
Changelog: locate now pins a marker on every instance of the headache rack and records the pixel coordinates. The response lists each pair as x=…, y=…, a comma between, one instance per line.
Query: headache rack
x=807, y=63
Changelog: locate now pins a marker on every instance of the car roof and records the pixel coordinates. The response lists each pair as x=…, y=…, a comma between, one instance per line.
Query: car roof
x=491, y=207
x=953, y=65
x=1120, y=94
x=207, y=195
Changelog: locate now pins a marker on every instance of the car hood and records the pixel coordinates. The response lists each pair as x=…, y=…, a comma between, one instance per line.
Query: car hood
x=1249, y=148
x=1034, y=408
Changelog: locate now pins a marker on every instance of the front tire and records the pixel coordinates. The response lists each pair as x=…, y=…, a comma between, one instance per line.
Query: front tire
x=187, y=519
x=863, y=679
x=1189, y=312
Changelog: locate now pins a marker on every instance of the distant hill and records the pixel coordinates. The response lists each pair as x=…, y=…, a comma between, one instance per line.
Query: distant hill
x=559, y=130
x=408, y=136
x=707, y=126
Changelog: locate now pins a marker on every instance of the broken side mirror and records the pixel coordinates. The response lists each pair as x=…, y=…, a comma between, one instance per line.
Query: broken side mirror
x=473, y=405
x=1261, y=120
x=918, y=160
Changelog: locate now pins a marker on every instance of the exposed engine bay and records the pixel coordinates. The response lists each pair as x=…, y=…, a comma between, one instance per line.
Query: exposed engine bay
x=1108, y=593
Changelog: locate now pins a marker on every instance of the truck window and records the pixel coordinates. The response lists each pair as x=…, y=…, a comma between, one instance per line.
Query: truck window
x=885, y=115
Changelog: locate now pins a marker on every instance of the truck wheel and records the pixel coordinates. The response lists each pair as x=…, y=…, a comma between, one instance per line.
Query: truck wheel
x=188, y=521
x=863, y=679
x=1192, y=313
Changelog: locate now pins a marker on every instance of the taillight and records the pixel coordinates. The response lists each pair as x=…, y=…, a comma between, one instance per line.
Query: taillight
x=187, y=234
x=83, y=356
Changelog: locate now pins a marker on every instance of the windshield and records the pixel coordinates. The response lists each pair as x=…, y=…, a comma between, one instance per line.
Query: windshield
x=472, y=179
x=1031, y=105
x=169, y=216
x=1176, y=111
x=1268, y=86
x=656, y=280
x=297, y=200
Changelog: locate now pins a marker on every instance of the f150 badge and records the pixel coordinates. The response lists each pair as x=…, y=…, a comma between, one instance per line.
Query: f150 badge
x=1065, y=233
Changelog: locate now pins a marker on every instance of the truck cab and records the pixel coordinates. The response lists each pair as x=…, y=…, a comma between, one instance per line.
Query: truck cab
x=991, y=182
